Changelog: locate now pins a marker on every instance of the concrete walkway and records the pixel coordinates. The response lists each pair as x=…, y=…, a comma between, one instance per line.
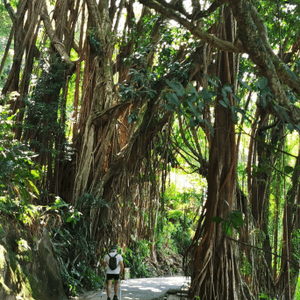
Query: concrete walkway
x=141, y=289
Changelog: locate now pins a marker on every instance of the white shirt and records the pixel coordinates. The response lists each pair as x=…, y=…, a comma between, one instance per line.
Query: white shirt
x=118, y=257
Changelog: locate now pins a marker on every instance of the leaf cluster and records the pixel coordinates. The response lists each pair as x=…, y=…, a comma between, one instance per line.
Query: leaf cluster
x=234, y=220
x=18, y=172
x=75, y=249
x=135, y=258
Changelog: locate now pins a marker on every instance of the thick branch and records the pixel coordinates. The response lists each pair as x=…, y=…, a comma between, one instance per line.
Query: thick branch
x=175, y=5
x=256, y=44
x=196, y=30
x=100, y=18
x=282, y=70
x=94, y=14
x=213, y=7
x=59, y=47
x=10, y=11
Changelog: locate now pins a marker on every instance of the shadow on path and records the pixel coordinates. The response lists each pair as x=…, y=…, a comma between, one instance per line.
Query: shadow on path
x=142, y=288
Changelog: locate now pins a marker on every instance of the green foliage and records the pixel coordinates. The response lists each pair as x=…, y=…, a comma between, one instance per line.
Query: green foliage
x=5, y=27
x=180, y=236
x=144, y=82
x=21, y=211
x=234, y=220
x=135, y=258
x=141, y=85
x=245, y=267
x=80, y=278
x=45, y=109
x=18, y=173
x=75, y=249
x=266, y=96
x=17, y=168
x=297, y=293
x=279, y=17
x=296, y=245
x=176, y=227
x=172, y=38
x=263, y=296
x=52, y=78
x=189, y=102
x=94, y=41
x=73, y=246
x=88, y=201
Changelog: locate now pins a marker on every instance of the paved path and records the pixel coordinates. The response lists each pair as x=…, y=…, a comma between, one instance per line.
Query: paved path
x=141, y=289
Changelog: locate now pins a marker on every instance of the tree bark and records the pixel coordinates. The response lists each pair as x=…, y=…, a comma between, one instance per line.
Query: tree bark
x=215, y=274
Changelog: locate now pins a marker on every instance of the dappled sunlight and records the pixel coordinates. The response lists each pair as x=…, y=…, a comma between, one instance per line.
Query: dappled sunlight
x=147, y=288
x=143, y=288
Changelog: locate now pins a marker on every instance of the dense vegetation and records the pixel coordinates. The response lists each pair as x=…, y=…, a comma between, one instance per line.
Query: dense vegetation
x=102, y=101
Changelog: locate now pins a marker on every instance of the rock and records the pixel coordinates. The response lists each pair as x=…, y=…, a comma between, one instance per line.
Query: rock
x=48, y=270
x=28, y=269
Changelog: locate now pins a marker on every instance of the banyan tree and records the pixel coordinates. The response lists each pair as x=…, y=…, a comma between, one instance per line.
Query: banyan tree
x=98, y=88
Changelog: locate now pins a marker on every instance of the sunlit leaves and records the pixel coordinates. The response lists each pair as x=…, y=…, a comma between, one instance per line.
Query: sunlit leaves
x=18, y=171
x=245, y=85
x=188, y=101
x=281, y=21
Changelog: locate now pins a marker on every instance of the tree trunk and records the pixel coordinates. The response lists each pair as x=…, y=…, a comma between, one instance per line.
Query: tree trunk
x=215, y=274
x=289, y=271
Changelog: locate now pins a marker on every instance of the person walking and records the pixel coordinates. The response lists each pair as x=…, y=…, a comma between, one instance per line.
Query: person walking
x=114, y=267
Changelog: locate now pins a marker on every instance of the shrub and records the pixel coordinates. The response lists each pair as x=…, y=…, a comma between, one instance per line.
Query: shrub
x=135, y=258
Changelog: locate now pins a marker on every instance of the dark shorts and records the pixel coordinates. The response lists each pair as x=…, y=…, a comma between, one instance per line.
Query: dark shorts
x=112, y=276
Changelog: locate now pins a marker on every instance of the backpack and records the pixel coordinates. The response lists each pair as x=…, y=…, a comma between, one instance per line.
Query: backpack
x=112, y=262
